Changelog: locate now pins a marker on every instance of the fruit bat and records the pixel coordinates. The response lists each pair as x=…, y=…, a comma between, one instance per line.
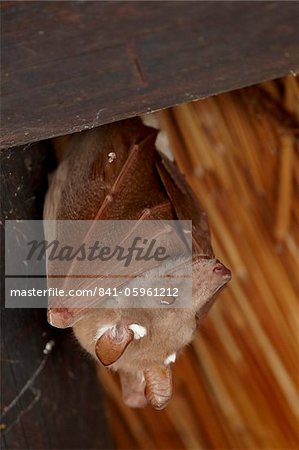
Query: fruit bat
x=115, y=172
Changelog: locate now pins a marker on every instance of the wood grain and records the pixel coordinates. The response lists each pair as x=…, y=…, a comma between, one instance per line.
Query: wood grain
x=50, y=397
x=70, y=66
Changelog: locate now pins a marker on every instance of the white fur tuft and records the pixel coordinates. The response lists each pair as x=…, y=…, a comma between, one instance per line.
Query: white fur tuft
x=103, y=330
x=170, y=359
x=138, y=330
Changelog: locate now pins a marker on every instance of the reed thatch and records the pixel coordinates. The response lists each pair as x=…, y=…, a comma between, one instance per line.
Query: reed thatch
x=236, y=386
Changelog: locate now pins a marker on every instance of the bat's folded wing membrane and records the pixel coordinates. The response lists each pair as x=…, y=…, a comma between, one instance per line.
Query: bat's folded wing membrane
x=135, y=194
x=186, y=206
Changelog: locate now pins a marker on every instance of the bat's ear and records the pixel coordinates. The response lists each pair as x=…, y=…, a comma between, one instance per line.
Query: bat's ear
x=112, y=344
x=63, y=317
x=158, y=389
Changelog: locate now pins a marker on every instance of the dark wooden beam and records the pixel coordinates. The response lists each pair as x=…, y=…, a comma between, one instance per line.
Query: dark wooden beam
x=69, y=66
x=50, y=394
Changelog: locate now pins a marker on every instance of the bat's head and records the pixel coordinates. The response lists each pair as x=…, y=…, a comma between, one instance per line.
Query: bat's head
x=209, y=276
x=116, y=345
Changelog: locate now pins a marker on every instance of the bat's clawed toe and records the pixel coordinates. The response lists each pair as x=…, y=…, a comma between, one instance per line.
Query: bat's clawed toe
x=61, y=317
x=112, y=344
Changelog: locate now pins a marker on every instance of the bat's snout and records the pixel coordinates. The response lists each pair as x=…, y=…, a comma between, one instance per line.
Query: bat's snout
x=221, y=270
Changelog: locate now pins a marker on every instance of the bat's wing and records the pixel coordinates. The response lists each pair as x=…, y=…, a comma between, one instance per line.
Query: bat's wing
x=114, y=177
x=132, y=386
x=186, y=206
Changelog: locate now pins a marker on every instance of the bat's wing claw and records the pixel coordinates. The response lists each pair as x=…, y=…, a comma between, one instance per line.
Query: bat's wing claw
x=63, y=317
x=186, y=206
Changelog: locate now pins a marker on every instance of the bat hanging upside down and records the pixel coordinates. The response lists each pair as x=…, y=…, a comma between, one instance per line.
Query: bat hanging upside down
x=115, y=172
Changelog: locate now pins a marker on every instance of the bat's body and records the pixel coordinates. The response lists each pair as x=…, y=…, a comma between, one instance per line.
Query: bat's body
x=123, y=177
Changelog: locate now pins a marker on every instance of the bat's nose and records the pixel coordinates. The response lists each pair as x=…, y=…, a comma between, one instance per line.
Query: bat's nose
x=220, y=269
